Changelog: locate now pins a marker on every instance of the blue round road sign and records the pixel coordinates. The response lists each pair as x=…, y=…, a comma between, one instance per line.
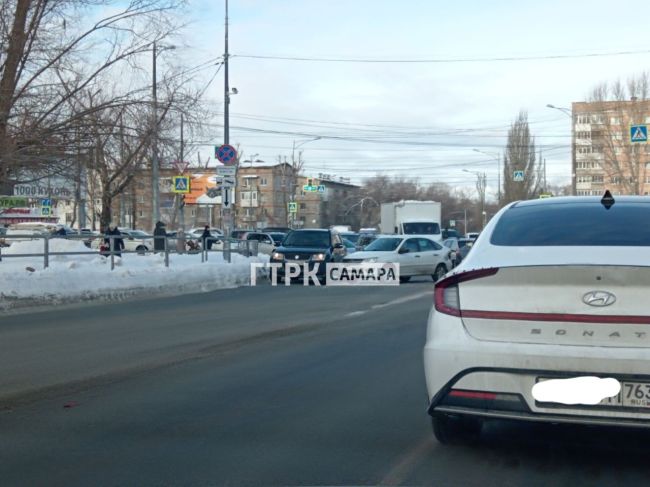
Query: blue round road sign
x=227, y=154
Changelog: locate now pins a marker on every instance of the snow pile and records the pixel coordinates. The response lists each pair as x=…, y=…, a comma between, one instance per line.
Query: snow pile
x=81, y=277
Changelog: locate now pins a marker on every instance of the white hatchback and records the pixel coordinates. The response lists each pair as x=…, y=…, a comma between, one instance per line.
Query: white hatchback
x=553, y=290
x=417, y=255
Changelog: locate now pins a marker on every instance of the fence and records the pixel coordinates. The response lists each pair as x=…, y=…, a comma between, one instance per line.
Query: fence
x=143, y=245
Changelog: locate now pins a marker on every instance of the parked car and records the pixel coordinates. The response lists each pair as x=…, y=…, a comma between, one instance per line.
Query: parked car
x=417, y=255
x=465, y=245
x=454, y=246
x=266, y=243
x=238, y=234
x=284, y=230
x=309, y=246
x=134, y=241
x=472, y=235
x=27, y=229
x=555, y=289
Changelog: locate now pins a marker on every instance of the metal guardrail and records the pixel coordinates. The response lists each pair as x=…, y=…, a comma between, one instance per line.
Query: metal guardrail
x=248, y=248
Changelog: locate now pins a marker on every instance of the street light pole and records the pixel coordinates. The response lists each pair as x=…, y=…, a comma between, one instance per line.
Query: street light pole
x=569, y=114
x=155, y=214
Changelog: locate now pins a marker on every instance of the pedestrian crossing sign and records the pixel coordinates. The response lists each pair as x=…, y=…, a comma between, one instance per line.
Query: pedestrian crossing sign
x=46, y=211
x=518, y=176
x=638, y=134
x=181, y=184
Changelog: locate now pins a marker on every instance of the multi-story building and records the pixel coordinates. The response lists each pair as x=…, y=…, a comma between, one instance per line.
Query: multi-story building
x=607, y=151
x=264, y=192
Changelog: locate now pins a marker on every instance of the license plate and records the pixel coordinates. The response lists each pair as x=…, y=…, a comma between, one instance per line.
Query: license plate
x=632, y=395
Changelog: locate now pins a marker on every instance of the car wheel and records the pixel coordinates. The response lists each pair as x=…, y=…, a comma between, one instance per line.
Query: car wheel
x=440, y=271
x=404, y=279
x=141, y=249
x=450, y=430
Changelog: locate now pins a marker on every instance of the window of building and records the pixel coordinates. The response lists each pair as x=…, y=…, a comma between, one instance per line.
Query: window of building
x=597, y=178
x=303, y=206
x=263, y=182
x=617, y=136
x=140, y=214
x=616, y=180
x=615, y=121
x=618, y=150
x=141, y=199
x=193, y=212
x=583, y=135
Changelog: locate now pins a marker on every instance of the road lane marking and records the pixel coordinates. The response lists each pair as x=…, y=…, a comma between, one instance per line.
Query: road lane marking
x=407, y=463
x=394, y=302
x=405, y=299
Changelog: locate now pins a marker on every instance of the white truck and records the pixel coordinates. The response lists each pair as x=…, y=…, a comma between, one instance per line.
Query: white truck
x=412, y=217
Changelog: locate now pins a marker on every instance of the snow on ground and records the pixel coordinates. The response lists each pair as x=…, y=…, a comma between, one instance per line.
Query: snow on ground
x=81, y=277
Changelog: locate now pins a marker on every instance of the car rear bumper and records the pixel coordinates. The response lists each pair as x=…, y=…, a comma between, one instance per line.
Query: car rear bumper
x=455, y=361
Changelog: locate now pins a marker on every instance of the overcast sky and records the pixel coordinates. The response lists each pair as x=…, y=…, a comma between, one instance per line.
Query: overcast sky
x=412, y=119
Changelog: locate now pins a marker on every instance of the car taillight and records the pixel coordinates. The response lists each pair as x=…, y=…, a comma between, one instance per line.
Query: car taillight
x=445, y=295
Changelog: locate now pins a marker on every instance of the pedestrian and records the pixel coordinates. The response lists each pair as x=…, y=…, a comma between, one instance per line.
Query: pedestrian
x=180, y=241
x=159, y=237
x=206, y=238
x=118, y=241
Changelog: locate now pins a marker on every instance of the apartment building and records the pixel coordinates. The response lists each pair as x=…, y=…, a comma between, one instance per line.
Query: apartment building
x=608, y=151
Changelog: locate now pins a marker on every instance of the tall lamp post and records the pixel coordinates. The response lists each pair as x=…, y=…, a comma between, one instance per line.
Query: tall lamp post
x=155, y=166
x=568, y=113
x=497, y=157
x=480, y=187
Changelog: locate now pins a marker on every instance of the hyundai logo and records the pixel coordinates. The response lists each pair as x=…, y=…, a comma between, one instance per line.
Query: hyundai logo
x=599, y=298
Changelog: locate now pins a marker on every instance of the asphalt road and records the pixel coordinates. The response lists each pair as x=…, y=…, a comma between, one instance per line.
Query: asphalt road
x=261, y=386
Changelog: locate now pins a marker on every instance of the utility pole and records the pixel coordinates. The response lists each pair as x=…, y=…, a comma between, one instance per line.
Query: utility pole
x=181, y=197
x=155, y=215
x=229, y=213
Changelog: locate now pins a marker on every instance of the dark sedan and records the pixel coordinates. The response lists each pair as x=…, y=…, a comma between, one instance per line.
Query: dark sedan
x=313, y=247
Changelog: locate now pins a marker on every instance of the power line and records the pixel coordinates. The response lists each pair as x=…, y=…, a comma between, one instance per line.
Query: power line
x=442, y=60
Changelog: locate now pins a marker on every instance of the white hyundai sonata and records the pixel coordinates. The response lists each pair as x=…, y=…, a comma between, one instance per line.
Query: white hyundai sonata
x=547, y=319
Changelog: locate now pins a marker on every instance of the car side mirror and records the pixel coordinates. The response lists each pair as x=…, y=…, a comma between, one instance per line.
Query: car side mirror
x=403, y=250
x=339, y=246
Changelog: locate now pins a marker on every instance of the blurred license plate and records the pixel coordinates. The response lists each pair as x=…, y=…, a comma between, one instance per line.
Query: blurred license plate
x=632, y=395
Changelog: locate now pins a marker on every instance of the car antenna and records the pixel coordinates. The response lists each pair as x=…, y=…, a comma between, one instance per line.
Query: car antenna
x=607, y=200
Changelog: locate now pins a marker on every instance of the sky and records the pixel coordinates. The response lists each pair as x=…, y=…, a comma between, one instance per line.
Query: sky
x=414, y=119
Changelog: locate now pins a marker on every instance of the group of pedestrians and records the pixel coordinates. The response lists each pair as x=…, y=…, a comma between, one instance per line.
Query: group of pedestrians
x=160, y=235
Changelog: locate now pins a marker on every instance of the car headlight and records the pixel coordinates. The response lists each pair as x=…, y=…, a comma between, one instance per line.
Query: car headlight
x=372, y=259
x=277, y=256
x=318, y=257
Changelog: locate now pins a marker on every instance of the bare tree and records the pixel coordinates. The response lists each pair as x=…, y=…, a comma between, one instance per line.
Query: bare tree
x=520, y=156
x=50, y=54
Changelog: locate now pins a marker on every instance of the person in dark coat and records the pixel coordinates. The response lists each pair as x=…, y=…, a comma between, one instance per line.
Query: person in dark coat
x=206, y=238
x=118, y=243
x=159, y=237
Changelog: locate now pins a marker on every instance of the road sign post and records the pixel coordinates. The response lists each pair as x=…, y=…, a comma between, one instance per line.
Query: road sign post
x=638, y=134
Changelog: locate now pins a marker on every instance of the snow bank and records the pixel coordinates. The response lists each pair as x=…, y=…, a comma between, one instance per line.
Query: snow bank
x=85, y=277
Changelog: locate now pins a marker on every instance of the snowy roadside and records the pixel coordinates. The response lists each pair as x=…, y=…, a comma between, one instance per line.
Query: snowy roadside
x=25, y=283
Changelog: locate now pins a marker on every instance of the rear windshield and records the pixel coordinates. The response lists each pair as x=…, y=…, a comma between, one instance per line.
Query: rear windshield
x=624, y=224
